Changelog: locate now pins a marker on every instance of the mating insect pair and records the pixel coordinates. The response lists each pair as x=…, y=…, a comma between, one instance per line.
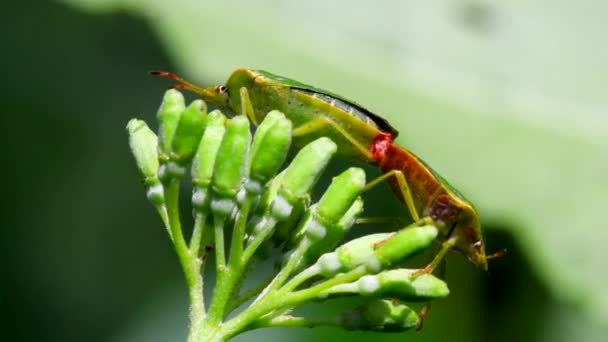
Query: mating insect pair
x=360, y=135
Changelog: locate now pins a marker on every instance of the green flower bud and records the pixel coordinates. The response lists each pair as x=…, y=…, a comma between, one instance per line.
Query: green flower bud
x=348, y=220
x=188, y=132
x=269, y=150
x=263, y=212
x=269, y=120
x=350, y=255
x=204, y=159
x=340, y=195
x=399, y=283
x=299, y=178
x=381, y=315
x=321, y=231
x=308, y=165
x=401, y=245
x=144, y=146
x=337, y=199
x=231, y=165
x=334, y=234
x=168, y=116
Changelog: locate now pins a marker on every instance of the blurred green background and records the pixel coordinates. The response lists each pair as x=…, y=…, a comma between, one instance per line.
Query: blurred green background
x=507, y=99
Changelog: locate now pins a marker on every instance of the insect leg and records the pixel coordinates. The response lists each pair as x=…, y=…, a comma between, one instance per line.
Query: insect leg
x=247, y=106
x=445, y=247
x=322, y=122
x=393, y=221
x=423, y=314
x=406, y=193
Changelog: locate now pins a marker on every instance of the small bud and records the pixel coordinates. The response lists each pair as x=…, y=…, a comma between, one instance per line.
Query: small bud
x=188, y=133
x=144, y=144
x=204, y=159
x=230, y=165
x=381, y=315
x=377, y=251
x=320, y=231
x=269, y=120
x=269, y=150
x=340, y=195
x=401, y=245
x=399, y=283
x=299, y=178
x=350, y=255
x=308, y=165
x=265, y=210
x=168, y=116
x=334, y=234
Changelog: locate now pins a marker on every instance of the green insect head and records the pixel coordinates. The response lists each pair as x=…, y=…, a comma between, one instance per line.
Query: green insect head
x=460, y=228
x=227, y=96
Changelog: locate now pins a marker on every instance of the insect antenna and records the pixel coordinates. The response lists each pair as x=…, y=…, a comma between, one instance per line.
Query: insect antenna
x=183, y=84
x=498, y=254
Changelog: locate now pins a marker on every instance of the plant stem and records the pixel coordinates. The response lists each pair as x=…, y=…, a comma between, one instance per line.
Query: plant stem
x=279, y=299
x=197, y=233
x=162, y=212
x=292, y=321
x=188, y=261
x=238, y=236
x=299, y=278
x=247, y=295
x=291, y=264
x=229, y=276
x=218, y=234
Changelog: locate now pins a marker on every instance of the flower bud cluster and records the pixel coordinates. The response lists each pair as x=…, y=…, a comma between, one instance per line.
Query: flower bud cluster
x=240, y=190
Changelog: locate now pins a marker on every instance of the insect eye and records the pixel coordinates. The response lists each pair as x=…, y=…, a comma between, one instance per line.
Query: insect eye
x=221, y=89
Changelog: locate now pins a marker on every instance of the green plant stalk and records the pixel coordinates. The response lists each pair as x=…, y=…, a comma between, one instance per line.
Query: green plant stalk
x=293, y=322
x=249, y=294
x=188, y=261
x=162, y=212
x=229, y=277
x=281, y=299
x=291, y=264
x=197, y=234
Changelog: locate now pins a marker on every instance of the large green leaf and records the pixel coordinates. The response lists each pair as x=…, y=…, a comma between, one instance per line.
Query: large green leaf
x=507, y=99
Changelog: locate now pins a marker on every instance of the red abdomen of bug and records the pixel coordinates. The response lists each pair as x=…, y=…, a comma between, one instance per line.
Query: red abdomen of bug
x=424, y=187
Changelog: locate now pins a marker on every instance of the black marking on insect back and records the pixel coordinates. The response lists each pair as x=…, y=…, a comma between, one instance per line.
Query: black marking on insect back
x=353, y=109
x=341, y=102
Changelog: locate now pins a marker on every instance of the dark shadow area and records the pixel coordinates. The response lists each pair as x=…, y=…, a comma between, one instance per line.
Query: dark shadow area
x=81, y=247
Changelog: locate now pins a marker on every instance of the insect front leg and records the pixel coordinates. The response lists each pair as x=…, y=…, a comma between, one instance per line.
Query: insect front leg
x=439, y=258
x=247, y=106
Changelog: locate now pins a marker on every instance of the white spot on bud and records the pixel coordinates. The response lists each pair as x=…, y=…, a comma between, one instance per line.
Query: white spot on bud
x=199, y=198
x=315, y=230
x=373, y=265
x=253, y=186
x=329, y=264
x=175, y=170
x=156, y=194
x=281, y=209
x=368, y=285
x=222, y=206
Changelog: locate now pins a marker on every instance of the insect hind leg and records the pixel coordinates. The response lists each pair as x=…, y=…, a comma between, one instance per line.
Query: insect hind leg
x=322, y=122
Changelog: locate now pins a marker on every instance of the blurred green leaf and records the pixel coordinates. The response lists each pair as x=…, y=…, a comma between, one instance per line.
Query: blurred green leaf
x=507, y=99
